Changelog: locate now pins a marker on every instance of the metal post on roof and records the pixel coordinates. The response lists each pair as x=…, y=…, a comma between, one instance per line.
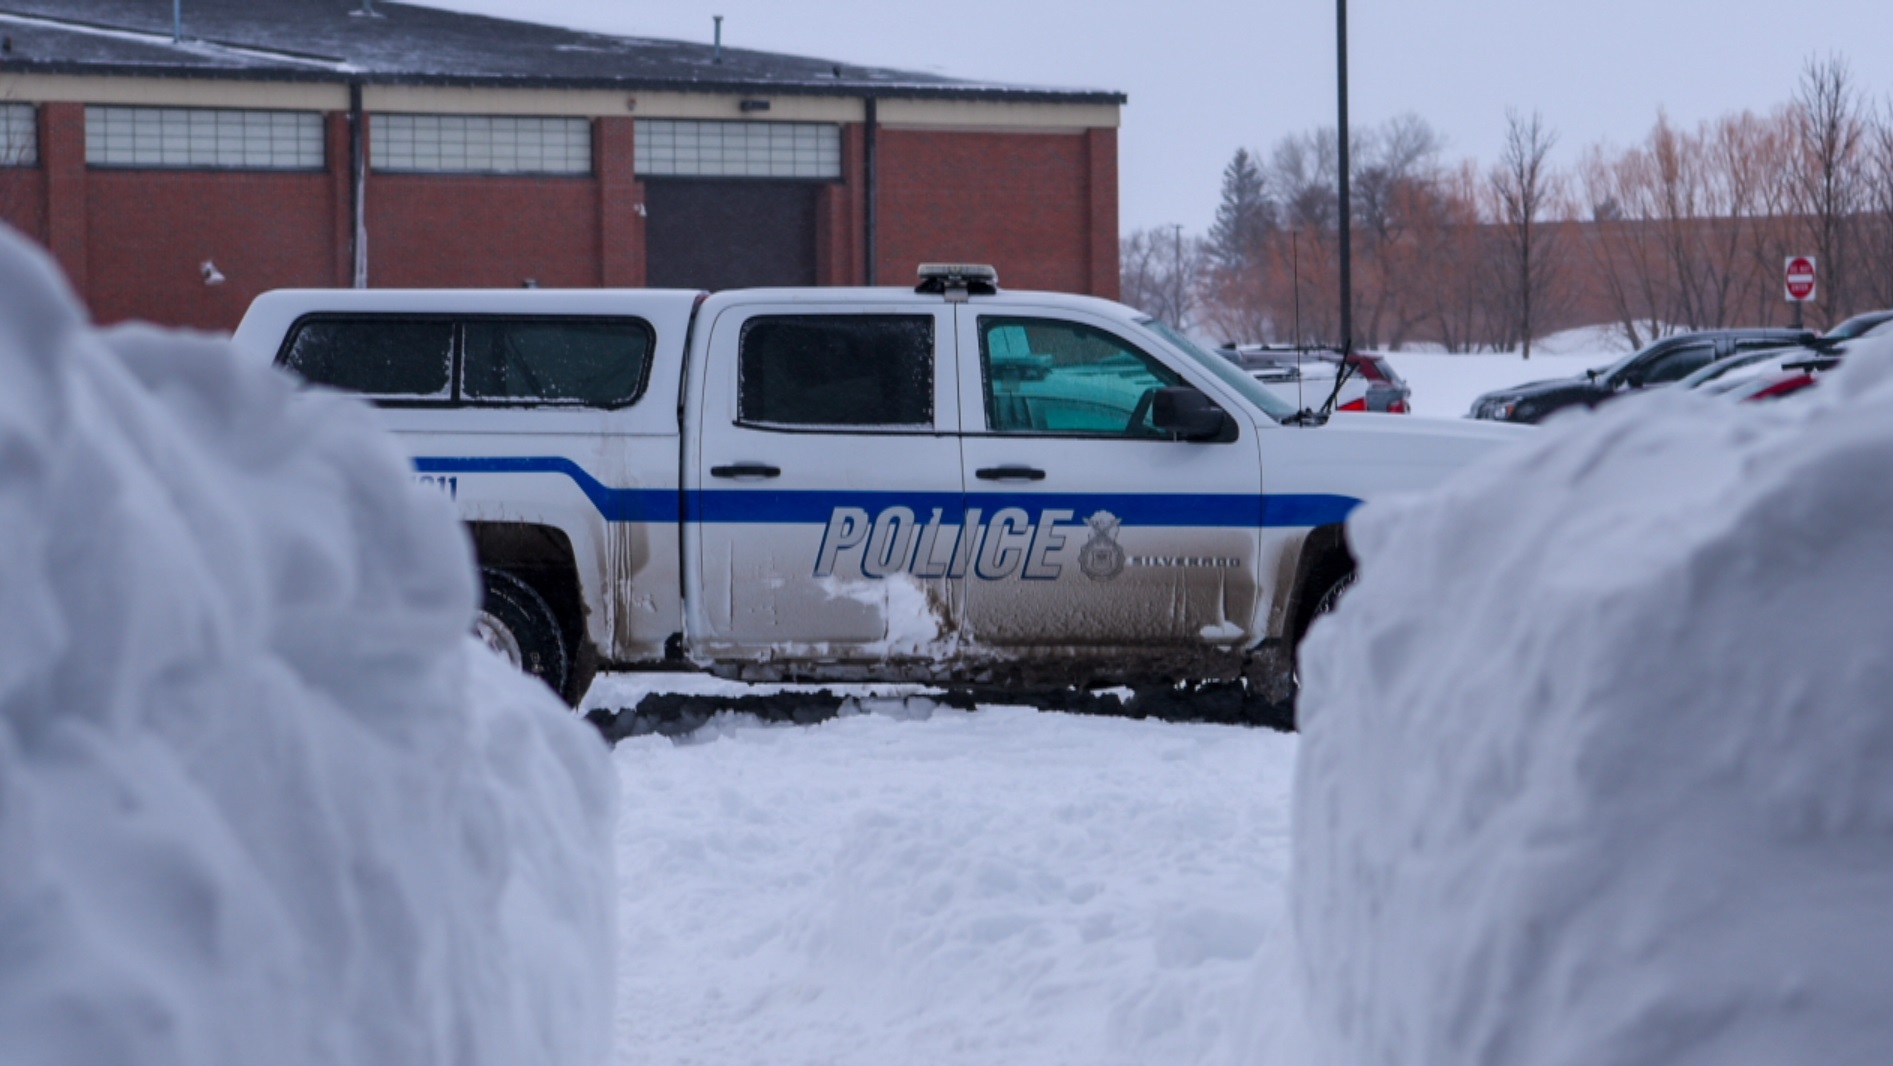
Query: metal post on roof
x=177, y=21
x=358, y=183
x=718, y=56
x=871, y=179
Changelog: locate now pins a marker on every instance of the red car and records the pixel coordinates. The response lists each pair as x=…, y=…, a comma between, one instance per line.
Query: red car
x=1305, y=376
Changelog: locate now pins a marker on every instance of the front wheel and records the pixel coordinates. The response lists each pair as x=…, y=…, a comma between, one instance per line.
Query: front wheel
x=1330, y=599
x=516, y=622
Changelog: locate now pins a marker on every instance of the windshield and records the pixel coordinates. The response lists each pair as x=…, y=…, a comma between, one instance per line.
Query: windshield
x=1856, y=326
x=1722, y=366
x=1616, y=369
x=1227, y=372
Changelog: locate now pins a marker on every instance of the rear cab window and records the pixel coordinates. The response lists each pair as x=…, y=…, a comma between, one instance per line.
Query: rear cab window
x=865, y=372
x=475, y=360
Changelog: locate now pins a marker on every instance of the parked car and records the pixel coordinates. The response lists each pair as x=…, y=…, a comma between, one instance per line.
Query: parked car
x=1856, y=327
x=1739, y=371
x=1723, y=374
x=1737, y=377
x=1305, y=377
x=1668, y=360
x=1783, y=377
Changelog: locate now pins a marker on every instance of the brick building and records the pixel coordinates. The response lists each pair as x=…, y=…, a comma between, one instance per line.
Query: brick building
x=177, y=169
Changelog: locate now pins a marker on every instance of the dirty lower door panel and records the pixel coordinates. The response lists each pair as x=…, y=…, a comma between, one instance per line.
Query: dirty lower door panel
x=828, y=494
x=1097, y=530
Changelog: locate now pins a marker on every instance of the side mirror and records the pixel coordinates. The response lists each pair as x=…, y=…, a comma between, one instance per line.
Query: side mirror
x=1187, y=414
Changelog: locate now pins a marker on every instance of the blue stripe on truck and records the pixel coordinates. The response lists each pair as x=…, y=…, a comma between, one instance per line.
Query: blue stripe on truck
x=761, y=505
x=617, y=505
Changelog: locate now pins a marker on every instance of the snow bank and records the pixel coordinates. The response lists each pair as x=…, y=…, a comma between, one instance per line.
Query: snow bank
x=261, y=800
x=1597, y=761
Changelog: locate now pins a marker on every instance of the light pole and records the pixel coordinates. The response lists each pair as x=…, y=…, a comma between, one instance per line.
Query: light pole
x=1347, y=213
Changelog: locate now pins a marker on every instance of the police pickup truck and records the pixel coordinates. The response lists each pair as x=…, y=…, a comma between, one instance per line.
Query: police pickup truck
x=949, y=484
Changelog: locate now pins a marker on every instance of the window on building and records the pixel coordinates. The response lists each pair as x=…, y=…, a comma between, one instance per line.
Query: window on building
x=409, y=360
x=480, y=144
x=19, y=136
x=837, y=370
x=1048, y=376
x=203, y=137
x=669, y=148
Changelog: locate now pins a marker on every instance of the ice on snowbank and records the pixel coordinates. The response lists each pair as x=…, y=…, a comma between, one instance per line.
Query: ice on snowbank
x=261, y=800
x=1597, y=761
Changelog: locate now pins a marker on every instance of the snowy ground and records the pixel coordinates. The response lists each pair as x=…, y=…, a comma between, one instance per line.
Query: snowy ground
x=1000, y=886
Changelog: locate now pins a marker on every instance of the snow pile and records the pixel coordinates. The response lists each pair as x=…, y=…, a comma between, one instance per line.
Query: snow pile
x=261, y=800
x=1597, y=761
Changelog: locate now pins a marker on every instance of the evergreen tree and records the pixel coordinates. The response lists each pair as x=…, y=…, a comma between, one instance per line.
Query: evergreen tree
x=1244, y=217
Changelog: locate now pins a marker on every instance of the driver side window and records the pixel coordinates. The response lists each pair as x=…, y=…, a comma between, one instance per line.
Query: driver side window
x=1064, y=378
x=1674, y=365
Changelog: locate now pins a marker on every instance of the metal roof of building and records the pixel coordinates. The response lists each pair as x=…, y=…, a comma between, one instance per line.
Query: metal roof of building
x=404, y=44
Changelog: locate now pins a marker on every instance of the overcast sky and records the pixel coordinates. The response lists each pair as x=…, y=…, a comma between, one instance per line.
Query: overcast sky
x=1206, y=77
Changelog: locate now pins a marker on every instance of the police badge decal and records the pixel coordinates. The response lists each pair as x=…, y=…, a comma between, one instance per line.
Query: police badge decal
x=1101, y=559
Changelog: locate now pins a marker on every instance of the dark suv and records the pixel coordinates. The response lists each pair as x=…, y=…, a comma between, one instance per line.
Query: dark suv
x=1670, y=359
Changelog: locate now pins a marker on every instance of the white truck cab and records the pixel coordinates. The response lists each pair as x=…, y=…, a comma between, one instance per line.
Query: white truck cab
x=950, y=483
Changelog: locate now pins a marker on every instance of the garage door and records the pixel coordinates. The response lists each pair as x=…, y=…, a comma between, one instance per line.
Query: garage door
x=726, y=234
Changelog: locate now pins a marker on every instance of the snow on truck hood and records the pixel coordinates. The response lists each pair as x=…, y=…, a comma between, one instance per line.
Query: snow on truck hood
x=261, y=799
x=1595, y=756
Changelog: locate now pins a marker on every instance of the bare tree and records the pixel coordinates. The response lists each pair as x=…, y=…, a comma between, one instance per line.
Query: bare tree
x=1302, y=171
x=1749, y=152
x=1395, y=188
x=1524, y=190
x=1162, y=271
x=1877, y=208
x=1829, y=135
x=1458, y=252
x=1706, y=183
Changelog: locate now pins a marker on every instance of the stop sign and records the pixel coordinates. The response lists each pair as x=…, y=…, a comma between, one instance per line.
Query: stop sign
x=1800, y=275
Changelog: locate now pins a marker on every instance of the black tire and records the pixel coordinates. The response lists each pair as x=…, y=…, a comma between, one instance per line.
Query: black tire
x=516, y=622
x=1326, y=602
x=1337, y=586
